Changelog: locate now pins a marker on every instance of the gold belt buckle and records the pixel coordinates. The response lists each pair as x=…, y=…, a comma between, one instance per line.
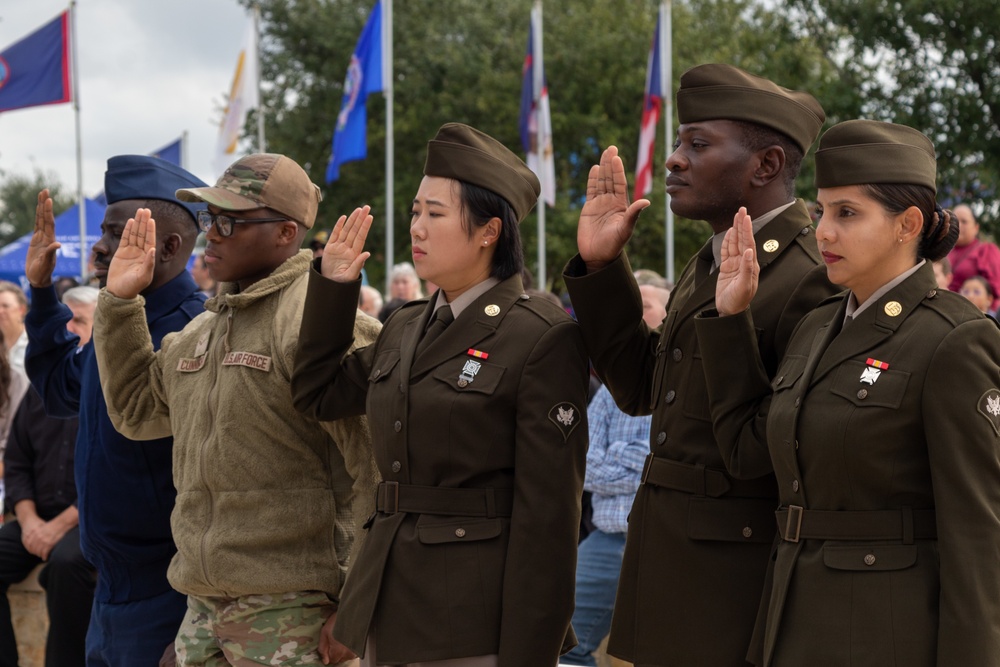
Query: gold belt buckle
x=794, y=518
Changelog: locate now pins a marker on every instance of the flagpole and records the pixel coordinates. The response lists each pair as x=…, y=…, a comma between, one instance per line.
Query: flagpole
x=184, y=149
x=538, y=76
x=261, y=140
x=666, y=81
x=390, y=154
x=81, y=203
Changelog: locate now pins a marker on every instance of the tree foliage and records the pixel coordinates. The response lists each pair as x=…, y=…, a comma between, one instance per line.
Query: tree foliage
x=18, y=197
x=461, y=61
x=930, y=64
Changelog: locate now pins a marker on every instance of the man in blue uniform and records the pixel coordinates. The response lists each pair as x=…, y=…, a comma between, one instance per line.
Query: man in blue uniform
x=125, y=489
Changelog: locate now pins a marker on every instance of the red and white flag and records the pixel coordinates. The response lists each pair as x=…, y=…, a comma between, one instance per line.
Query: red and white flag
x=652, y=107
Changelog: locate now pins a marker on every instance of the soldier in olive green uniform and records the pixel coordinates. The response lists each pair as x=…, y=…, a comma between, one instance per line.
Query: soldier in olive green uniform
x=883, y=424
x=476, y=400
x=699, y=535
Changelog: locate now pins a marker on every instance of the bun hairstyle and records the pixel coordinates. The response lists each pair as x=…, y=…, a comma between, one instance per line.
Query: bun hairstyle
x=940, y=230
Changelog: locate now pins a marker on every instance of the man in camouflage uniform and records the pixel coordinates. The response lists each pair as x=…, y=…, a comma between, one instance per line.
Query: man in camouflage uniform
x=266, y=498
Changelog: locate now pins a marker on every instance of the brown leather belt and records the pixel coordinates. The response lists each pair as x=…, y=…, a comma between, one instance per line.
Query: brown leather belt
x=906, y=524
x=392, y=497
x=701, y=481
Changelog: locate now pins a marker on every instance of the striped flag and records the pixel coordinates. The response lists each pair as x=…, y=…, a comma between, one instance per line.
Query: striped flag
x=536, y=121
x=652, y=107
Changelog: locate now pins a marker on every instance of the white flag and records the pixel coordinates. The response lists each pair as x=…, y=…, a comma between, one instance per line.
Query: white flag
x=243, y=96
x=535, y=121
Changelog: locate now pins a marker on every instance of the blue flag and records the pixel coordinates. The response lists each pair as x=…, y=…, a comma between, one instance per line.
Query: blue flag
x=171, y=152
x=35, y=70
x=364, y=77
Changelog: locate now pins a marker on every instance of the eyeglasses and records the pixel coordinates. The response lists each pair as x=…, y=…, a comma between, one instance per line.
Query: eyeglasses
x=224, y=223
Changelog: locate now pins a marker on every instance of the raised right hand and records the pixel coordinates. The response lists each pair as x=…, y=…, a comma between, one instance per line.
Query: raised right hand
x=607, y=219
x=343, y=258
x=41, y=259
x=739, y=271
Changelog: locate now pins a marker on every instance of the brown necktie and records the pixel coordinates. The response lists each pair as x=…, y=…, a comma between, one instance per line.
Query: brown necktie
x=442, y=318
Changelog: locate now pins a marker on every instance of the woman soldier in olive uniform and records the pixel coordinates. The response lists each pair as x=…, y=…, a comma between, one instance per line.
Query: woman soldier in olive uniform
x=883, y=425
x=479, y=431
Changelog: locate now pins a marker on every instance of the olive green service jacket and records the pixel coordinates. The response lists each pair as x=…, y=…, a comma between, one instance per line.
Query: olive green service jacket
x=698, y=539
x=885, y=438
x=481, y=440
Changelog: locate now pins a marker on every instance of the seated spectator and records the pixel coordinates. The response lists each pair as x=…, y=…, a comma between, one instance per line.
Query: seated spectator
x=404, y=286
x=370, y=302
x=41, y=490
x=942, y=273
x=979, y=291
x=13, y=308
x=972, y=256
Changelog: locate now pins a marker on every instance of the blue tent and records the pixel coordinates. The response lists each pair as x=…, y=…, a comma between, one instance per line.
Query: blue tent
x=14, y=254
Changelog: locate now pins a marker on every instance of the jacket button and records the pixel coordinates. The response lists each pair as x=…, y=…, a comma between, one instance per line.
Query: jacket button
x=671, y=395
x=377, y=372
x=779, y=379
x=862, y=394
x=398, y=426
x=798, y=401
x=396, y=466
x=747, y=532
x=870, y=560
x=678, y=355
x=460, y=532
x=661, y=438
x=795, y=485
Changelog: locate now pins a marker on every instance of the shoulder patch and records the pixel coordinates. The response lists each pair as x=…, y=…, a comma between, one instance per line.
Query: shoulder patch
x=566, y=417
x=989, y=407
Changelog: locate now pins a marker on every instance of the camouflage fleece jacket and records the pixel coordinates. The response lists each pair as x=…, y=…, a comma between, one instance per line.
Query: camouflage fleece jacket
x=266, y=498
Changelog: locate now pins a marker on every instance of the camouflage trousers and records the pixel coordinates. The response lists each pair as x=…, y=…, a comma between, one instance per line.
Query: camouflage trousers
x=280, y=629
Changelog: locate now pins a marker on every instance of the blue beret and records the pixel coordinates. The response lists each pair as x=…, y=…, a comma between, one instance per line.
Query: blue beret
x=146, y=177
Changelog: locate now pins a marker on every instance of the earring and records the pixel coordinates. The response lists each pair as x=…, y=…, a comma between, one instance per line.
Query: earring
x=486, y=242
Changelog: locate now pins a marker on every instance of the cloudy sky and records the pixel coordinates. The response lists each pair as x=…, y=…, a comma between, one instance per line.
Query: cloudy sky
x=149, y=71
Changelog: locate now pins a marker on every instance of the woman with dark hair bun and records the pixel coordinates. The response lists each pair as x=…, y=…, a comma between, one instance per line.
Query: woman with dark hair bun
x=476, y=399
x=882, y=425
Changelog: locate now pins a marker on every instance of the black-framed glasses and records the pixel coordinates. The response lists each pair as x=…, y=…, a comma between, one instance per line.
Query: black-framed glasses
x=224, y=223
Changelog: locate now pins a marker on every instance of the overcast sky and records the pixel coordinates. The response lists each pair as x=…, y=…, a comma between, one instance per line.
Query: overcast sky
x=148, y=71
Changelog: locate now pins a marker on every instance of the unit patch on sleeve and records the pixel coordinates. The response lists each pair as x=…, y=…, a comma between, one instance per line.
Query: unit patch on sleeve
x=566, y=417
x=989, y=407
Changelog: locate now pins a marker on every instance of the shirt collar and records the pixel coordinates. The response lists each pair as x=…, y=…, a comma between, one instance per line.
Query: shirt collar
x=757, y=224
x=465, y=299
x=853, y=309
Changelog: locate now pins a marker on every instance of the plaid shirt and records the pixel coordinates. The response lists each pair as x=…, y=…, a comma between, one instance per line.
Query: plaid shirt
x=619, y=444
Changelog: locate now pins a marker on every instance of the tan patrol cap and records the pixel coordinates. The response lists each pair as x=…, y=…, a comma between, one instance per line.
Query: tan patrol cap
x=723, y=92
x=857, y=152
x=262, y=180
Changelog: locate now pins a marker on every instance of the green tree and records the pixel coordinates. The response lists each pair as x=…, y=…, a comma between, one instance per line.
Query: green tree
x=18, y=197
x=930, y=64
x=461, y=61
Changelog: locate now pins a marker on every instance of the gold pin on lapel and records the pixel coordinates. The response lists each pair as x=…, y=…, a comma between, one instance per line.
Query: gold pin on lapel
x=492, y=310
x=770, y=245
x=892, y=309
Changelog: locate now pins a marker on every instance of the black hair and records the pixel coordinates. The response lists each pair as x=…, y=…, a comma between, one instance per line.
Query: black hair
x=479, y=206
x=940, y=231
x=179, y=218
x=985, y=283
x=757, y=137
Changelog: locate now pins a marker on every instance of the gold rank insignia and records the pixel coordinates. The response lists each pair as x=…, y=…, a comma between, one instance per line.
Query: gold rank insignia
x=770, y=245
x=492, y=310
x=893, y=308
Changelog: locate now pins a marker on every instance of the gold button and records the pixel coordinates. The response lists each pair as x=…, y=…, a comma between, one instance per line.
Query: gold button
x=862, y=394
x=770, y=245
x=747, y=532
x=492, y=310
x=460, y=532
x=870, y=560
x=893, y=308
